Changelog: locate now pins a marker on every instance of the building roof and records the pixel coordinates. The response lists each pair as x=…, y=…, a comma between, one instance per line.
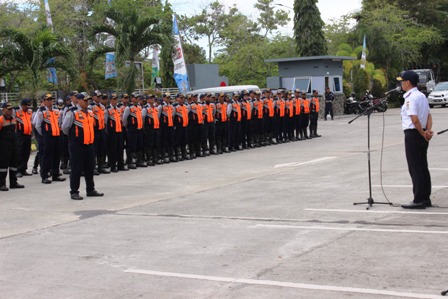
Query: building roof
x=298, y=59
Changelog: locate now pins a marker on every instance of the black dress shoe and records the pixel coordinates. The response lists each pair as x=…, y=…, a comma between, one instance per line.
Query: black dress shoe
x=94, y=193
x=76, y=196
x=58, y=179
x=19, y=175
x=113, y=170
x=34, y=171
x=16, y=186
x=26, y=173
x=413, y=205
x=96, y=172
x=66, y=171
x=3, y=188
x=46, y=181
x=428, y=203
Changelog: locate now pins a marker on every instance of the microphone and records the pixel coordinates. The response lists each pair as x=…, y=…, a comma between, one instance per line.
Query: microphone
x=398, y=89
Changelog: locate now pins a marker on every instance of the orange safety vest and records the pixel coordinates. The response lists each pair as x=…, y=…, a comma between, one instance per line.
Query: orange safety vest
x=270, y=106
x=84, y=123
x=115, y=118
x=290, y=106
x=24, y=121
x=315, y=101
x=259, y=106
x=182, y=110
x=7, y=122
x=209, y=112
x=153, y=117
x=167, y=110
x=51, y=122
x=281, y=107
x=237, y=107
x=248, y=110
x=136, y=115
x=298, y=104
x=306, y=106
x=222, y=108
x=98, y=113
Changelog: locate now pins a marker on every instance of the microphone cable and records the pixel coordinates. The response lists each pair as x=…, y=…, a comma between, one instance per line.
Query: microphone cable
x=381, y=161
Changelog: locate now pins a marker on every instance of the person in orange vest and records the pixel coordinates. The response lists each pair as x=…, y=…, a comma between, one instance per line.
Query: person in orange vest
x=114, y=134
x=132, y=120
x=181, y=112
x=280, y=116
x=289, y=117
x=122, y=106
x=297, y=114
x=305, y=115
x=99, y=113
x=8, y=148
x=268, y=118
x=78, y=124
x=257, y=119
x=246, y=113
x=195, y=127
x=23, y=130
x=167, y=126
x=151, y=118
x=209, y=109
x=47, y=125
x=221, y=124
x=314, y=114
x=234, y=119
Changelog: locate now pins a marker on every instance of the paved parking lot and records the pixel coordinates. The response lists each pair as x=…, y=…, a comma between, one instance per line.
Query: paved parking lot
x=272, y=222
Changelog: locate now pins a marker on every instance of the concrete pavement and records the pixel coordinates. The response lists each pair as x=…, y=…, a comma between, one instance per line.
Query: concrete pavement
x=272, y=222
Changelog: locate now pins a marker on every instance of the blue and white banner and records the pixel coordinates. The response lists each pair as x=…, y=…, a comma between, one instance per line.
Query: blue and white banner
x=364, y=54
x=111, y=71
x=180, y=69
x=51, y=73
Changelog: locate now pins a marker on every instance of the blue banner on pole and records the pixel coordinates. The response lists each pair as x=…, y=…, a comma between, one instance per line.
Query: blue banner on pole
x=111, y=71
x=180, y=68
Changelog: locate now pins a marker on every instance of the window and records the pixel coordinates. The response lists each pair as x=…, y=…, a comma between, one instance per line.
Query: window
x=337, y=84
x=303, y=83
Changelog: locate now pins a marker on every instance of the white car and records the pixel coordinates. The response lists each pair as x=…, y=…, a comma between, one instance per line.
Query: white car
x=439, y=96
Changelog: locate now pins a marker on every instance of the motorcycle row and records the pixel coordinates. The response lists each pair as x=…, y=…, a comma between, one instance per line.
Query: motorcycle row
x=353, y=106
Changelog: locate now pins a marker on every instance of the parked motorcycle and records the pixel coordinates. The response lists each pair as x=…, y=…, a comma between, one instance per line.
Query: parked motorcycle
x=351, y=105
x=379, y=105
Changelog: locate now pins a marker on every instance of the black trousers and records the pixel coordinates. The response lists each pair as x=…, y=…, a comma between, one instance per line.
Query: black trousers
x=246, y=133
x=221, y=135
x=182, y=138
x=8, y=159
x=416, y=155
x=100, y=143
x=23, y=151
x=209, y=134
x=194, y=137
x=50, y=156
x=115, y=149
x=167, y=139
x=328, y=110
x=234, y=134
x=82, y=158
x=65, y=156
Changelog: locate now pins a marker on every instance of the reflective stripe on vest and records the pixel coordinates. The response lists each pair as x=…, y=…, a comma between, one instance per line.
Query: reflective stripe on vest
x=209, y=113
x=298, y=105
x=84, y=124
x=24, y=122
x=306, y=106
x=290, y=106
x=269, y=103
x=222, y=108
x=281, y=108
x=237, y=109
x=316, y=103
x=153, y=117
x=98, y=114
x=248, y=110
x=115, y=119
x=136, y=115
x=182, y=112
x=51, y=122
x=167, y=111
x=259, y=109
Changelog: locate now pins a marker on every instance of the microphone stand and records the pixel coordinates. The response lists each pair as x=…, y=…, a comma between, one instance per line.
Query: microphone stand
x=370, y=200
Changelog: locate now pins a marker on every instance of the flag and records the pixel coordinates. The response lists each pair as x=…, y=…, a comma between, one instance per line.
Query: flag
x=111, y=71
x=364, y=54
x=155, y=65
x=180, y=69
x=51, y=73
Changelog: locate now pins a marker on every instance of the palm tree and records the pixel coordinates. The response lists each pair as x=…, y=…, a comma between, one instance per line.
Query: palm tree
x=133, y=33
x=32, y=54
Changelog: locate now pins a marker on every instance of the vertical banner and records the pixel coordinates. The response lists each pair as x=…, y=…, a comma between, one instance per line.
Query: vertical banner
x=111, y=71
x=51, y=73
x=155, y=65
x=180, y=69
x=364, y=54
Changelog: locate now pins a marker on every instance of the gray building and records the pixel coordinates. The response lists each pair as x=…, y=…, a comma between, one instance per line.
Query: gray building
x=204, y=76
x=309, y=73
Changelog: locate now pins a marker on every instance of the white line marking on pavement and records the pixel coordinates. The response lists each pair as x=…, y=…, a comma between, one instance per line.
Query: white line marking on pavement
x=439, y=169
x=405, y=186
x=435, y=232
x=372, y=211
x=293, y=164
x=283, y=284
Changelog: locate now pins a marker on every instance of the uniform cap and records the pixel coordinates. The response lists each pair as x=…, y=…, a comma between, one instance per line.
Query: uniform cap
x=26, y=102
x=258, y=92
x=180, y=95
x=113, y=96
x=125, y=95
x=80, y=96
x=48, y=96
x=245, y=92
x=222, y=94
x=67, y=98
x=96, y=93
x=297, y=91
x=73, y=93
x=410, y=76
x=166, y=95
x=6, y=105
x=236, y=93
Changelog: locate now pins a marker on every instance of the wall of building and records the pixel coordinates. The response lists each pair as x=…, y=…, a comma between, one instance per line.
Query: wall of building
x=204, y=76
x=312, y=68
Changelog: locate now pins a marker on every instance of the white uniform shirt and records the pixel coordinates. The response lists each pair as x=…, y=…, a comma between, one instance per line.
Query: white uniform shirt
x=415, y=103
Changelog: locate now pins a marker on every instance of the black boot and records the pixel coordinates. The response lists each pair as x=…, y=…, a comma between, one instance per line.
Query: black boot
x=140, y=161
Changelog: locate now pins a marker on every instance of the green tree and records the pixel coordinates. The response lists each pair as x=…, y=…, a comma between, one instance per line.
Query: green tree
x=361, y=82
x=31, y=55
x=270, y=19
x=133, y=33
x=308, y=29
x=166, y=54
